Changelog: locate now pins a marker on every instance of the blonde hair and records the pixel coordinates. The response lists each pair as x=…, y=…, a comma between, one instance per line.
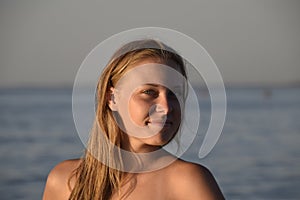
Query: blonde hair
x=94, y=179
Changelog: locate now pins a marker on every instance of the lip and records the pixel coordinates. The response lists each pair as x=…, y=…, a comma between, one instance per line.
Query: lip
x=160, y=123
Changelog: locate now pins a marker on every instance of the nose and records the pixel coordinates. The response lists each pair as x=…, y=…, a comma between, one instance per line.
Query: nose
x=163, y=104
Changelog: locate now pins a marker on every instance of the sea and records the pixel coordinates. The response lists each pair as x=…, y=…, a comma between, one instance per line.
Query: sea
x=256, y=157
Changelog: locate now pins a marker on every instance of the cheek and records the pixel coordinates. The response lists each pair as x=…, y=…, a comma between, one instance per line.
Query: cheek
x=138, y=110
x=176, y=106
x=177, y=113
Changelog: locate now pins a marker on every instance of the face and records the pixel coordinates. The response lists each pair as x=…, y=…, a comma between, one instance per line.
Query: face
x=148, y=101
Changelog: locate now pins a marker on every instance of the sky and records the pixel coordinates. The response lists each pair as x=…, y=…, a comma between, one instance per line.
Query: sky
x=253, y=42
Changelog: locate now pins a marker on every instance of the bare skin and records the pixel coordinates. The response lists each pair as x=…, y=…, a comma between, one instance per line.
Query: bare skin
x=178, y=181
x=57, y=181
x=181, y=180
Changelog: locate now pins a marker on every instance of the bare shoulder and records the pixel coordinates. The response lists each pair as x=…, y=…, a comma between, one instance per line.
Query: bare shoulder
x=192, y=181
x=57, y=182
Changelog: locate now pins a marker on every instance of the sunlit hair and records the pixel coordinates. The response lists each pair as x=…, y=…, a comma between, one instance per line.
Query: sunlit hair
x=95, y=180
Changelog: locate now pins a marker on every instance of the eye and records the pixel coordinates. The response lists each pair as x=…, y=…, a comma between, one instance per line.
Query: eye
x=175, y=94
x=150, y=92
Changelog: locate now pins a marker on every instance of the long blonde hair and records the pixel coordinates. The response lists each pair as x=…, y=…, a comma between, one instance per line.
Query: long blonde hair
x=95, y=180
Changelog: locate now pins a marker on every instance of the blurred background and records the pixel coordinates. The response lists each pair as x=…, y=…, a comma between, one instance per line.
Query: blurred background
x=255, y=44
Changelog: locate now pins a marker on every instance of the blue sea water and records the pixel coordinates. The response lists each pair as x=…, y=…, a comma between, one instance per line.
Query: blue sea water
x=256, y=157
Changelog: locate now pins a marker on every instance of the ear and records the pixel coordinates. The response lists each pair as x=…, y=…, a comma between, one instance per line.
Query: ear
x=111, y=99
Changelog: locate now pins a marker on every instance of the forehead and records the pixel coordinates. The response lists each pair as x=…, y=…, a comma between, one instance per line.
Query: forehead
x=165, y=74
x=152, y=61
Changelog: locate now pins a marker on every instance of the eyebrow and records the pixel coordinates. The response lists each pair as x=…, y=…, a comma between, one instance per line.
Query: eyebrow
x=157, y=85
x=152, y=84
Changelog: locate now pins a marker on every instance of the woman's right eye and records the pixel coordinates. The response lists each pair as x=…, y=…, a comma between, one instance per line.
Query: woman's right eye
x=150, y=92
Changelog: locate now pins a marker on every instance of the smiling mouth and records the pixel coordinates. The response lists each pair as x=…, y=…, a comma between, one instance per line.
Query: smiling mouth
x=160, y=123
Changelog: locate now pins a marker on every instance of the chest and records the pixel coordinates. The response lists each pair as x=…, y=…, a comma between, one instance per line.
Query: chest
x=146, y=188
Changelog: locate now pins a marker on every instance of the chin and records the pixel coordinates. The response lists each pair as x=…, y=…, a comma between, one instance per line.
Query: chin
x=160, y=139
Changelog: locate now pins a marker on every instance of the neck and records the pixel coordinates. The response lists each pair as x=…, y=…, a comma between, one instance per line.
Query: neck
x=136, y=145
x=144, y=157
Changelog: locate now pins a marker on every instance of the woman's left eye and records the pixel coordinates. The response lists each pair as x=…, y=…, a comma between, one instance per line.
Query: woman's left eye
x=175, y=94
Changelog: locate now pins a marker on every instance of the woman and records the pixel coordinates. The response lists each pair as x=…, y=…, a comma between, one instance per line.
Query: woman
x=140, y=95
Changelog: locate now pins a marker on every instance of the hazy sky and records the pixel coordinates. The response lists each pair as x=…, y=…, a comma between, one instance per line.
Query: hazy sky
x=43, y=42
